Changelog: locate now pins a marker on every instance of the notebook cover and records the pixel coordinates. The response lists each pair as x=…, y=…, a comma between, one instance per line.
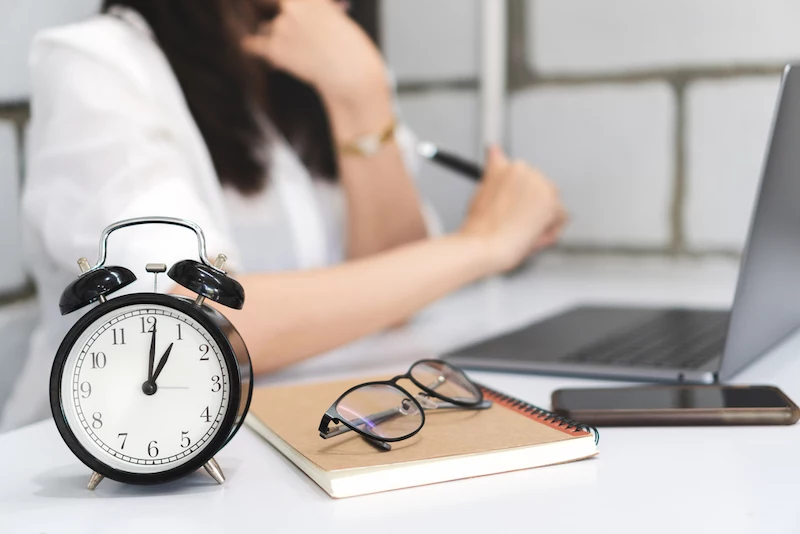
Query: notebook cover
x=294, y=413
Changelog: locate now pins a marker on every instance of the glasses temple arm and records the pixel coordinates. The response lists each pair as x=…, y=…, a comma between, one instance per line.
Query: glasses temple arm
x=386, y=415
x=378, y=418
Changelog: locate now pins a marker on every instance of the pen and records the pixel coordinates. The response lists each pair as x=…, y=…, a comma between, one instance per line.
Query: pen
x=455, y=163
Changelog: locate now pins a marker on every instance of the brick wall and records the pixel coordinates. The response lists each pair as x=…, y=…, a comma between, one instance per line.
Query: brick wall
x=652, y=117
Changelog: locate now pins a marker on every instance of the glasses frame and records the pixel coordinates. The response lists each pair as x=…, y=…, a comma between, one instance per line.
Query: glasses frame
x=332, y=415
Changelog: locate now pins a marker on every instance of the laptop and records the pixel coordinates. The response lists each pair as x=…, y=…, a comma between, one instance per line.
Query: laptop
x=686, y=345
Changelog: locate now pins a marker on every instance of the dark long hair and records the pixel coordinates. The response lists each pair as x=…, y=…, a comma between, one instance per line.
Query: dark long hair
x=226, y=90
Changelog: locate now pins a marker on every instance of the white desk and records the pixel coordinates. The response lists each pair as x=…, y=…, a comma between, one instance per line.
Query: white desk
x=722, y=479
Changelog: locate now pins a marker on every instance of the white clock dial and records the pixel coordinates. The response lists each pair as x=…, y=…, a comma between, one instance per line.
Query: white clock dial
x=125, y=419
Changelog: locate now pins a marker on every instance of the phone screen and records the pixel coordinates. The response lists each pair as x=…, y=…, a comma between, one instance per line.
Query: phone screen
x=671, y=397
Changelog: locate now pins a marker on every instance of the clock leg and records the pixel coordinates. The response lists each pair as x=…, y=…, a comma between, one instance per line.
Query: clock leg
x=94, y=480
x=213, y=469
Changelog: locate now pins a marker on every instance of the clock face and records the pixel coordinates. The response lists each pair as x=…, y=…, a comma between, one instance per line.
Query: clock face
x=134, y=417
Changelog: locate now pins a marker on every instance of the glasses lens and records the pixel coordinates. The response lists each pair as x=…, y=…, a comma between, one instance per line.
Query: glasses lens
x=447, y=381
x=380, y=410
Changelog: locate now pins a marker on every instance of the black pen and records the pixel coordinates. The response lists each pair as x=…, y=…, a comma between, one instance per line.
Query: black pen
x=455, y=163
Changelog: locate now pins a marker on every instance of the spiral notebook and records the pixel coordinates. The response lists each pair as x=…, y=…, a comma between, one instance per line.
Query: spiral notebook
x=453, y=444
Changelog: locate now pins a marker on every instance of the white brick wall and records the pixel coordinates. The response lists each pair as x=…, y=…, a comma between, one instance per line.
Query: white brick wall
x=585, y=36
x=450, y=119
x=727, y=126
x=12, y=272
x=610, y=149
x=19, y=21
x=428, y=40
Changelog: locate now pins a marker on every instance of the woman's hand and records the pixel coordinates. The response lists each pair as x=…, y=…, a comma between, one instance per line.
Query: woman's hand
x=315, y=41
x=515, y=212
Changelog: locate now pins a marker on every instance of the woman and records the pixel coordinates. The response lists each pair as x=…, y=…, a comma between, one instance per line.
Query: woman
x=252, y=119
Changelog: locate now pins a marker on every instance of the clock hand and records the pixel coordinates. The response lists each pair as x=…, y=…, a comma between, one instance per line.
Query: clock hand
x=161, y=364
x=152, y=357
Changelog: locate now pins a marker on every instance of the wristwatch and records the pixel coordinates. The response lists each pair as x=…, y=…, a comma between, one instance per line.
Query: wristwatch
x=369, y=145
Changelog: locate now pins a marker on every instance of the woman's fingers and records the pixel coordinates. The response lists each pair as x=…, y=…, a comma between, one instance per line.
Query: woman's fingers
x=553, y=231
x=495, y=161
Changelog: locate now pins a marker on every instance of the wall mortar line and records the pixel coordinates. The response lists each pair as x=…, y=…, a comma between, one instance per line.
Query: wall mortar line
x=679, y=186
x=416, y=87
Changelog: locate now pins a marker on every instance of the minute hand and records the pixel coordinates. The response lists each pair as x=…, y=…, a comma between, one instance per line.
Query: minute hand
x=152, y=357
x=161, y=364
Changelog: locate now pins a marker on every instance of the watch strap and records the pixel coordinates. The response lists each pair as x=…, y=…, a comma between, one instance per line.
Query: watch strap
x=369, y=145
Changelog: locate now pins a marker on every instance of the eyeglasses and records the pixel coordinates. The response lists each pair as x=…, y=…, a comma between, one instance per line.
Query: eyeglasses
x=383, y=412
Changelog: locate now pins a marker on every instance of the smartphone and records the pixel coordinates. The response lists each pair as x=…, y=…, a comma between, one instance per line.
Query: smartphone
x=677, y=405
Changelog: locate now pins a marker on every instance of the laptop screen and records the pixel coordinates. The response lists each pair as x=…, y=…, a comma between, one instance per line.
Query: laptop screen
x=767, y=304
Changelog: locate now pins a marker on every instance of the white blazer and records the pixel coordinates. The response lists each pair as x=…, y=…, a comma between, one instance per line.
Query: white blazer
x=111, y=137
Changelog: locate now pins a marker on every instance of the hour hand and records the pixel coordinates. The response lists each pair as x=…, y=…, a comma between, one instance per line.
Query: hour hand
x=161, y=364
x=149, y=387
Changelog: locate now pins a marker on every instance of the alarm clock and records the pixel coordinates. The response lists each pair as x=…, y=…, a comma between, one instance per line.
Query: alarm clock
x=147, y=387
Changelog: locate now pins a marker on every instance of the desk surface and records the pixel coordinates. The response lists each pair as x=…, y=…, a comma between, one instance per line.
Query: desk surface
x=653, y=480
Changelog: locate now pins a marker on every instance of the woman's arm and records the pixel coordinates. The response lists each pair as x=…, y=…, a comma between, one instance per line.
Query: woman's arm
x=289, y=317
x=384, y=209
x=292, y=316
x=314, y=41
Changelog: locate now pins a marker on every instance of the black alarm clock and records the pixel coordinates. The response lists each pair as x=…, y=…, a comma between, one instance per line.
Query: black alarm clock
x=148, y=387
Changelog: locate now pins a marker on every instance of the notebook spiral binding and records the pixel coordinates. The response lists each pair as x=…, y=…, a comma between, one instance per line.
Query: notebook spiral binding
x=546, y=416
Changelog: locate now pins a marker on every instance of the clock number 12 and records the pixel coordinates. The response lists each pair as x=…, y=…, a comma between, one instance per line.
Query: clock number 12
x=148, y=321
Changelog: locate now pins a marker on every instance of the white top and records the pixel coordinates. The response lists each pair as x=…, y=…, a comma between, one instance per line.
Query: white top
x=654, y=480
x=111, y=137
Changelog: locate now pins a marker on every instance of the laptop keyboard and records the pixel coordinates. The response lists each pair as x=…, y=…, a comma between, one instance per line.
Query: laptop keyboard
x=679, y=339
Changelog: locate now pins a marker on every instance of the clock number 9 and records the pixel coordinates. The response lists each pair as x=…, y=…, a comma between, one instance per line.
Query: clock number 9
x=216, y=386
x=86, y=390
x=152, y=450
x=204, y=349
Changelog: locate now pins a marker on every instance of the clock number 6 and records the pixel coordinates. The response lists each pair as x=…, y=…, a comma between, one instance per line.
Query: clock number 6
x=152, y=450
